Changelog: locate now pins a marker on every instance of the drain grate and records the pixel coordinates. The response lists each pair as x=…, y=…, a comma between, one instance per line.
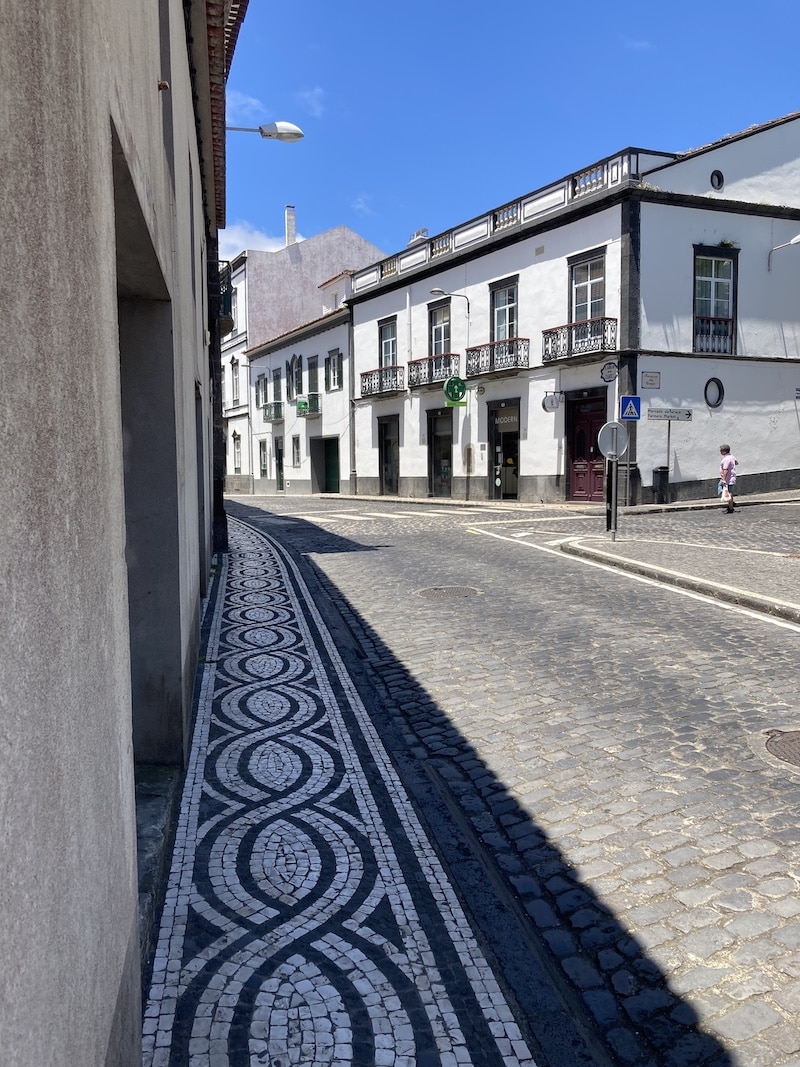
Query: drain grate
x=785, y=745
x=447, y=592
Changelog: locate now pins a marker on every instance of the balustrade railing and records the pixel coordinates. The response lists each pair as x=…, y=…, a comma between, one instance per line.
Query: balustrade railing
x=273, y=412
x=578, y=338
x=498, y=356
x=713, y=335
x=383, y=380
x=433, y=369
x=309, y=405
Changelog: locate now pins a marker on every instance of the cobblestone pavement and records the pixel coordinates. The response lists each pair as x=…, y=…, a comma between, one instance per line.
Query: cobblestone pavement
x=308, y=918
x=601, y=743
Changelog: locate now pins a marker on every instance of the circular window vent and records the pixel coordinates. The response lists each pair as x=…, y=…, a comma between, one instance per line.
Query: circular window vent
x=717, y=179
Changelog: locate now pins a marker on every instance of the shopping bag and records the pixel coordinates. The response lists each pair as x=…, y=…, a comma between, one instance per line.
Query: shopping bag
x=726, y=495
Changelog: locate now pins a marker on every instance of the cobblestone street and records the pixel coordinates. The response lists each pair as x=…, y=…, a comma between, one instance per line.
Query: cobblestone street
x=475, y=799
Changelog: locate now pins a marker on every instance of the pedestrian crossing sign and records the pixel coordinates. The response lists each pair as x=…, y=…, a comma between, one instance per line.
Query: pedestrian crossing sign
x=630, y=407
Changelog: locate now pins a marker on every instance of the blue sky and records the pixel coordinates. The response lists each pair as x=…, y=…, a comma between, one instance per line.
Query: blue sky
x=425, y=114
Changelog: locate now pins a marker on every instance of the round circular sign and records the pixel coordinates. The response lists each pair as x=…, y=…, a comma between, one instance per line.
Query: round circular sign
x=609, y=371
x=612, y=440
x=551, y=402
x=455, y=388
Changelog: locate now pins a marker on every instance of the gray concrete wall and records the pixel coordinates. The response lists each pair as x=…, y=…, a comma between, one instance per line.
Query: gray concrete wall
x=86, y=209
x=283, y=287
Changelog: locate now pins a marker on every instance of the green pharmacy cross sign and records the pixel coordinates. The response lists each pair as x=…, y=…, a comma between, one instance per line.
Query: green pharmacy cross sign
x=455, y=389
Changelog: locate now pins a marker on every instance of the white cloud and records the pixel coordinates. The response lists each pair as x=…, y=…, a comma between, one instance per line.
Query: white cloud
x=633, y=45
x=241, y=235
x=361, y=204
x=239, y=107
x=313, y=100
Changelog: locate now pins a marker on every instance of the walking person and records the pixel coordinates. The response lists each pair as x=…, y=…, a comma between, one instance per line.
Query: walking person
x=727, y=476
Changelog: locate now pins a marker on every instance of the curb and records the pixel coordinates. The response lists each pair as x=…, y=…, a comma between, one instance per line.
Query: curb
x=763, y=605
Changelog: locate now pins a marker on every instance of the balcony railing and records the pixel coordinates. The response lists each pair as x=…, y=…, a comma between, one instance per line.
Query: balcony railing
x=273, y=412
x=713, y=335
x=579, y=338
x=499, y=357
x=433, y=369
x=309, y=405
x=385, y=380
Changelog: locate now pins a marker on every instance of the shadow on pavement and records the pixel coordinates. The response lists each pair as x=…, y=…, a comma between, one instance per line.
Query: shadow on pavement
x=617, y=997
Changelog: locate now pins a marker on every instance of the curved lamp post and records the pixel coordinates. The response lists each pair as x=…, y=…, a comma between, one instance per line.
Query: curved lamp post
x=794, y=241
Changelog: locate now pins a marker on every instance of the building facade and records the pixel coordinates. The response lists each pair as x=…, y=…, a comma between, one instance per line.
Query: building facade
x=112, y=185
x=301, y=389
x=273, y=294
x=646, y=283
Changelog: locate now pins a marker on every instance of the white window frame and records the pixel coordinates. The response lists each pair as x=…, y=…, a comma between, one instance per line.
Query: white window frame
x=387, y=343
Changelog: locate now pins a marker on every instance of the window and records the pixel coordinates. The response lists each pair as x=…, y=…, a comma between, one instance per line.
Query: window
x=295, y=451
x=237, y=454
x=504, y=310
x=439, y=330
x=235, y=309
x=263, y=461
x=714, y=299
x=588, y=288
x=333, y=371
x=387, y=342
x=313, y=374
x=277, y=393
x=234, y=381
x=294, y=377
x=261, y=390
x=222, y=384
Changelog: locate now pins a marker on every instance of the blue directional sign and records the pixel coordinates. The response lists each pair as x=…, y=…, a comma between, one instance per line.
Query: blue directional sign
x=630, y=407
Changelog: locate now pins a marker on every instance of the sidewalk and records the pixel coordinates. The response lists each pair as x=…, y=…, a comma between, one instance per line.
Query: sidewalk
x=308, y=918
x=765, y=581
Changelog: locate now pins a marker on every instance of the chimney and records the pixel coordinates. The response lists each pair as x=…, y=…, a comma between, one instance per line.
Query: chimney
x=291, y=232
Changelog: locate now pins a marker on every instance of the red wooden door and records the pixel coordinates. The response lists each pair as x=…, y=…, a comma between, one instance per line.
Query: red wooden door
x=587, y=465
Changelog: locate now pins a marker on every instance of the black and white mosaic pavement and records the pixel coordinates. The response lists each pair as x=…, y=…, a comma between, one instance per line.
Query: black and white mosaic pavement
x=308, y=920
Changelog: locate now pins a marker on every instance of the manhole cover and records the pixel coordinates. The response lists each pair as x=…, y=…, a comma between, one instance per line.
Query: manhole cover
x=447, y=592
x=785, y=745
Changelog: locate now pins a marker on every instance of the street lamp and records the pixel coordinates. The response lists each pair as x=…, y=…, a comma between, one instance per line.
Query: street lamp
x=274, y=131
x=794, y=241
x=463, y=296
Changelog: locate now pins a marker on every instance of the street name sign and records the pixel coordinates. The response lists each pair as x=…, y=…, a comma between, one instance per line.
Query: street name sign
x=670, y=414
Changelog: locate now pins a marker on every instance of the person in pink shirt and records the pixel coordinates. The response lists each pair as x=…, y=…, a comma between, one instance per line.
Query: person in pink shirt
x=727, y=473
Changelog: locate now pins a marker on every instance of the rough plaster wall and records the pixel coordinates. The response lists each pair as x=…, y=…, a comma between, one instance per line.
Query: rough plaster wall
x=69, y=981
x=283, y=287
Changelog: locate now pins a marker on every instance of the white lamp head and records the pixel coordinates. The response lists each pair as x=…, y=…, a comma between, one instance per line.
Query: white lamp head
x=281, y=131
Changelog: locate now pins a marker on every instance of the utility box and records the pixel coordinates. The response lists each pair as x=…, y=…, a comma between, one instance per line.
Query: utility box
x=660, y=485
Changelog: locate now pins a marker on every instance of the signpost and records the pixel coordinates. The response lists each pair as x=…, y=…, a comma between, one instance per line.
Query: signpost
x=669, y=415
x=612, y=440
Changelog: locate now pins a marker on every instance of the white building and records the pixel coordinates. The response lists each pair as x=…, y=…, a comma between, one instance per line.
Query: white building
x=302, y=385
x=274, y=293
x=648, y=274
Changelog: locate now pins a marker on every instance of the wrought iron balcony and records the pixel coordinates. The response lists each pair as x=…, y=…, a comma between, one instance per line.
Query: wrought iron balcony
x=309, y=405
x=273, y=412
x=499, y=357
x=384, y=381
x=433, y=369
x=713, y=335
x=579, y=338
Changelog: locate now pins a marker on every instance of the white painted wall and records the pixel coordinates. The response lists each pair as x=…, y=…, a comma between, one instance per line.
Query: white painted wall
x=762, y=169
